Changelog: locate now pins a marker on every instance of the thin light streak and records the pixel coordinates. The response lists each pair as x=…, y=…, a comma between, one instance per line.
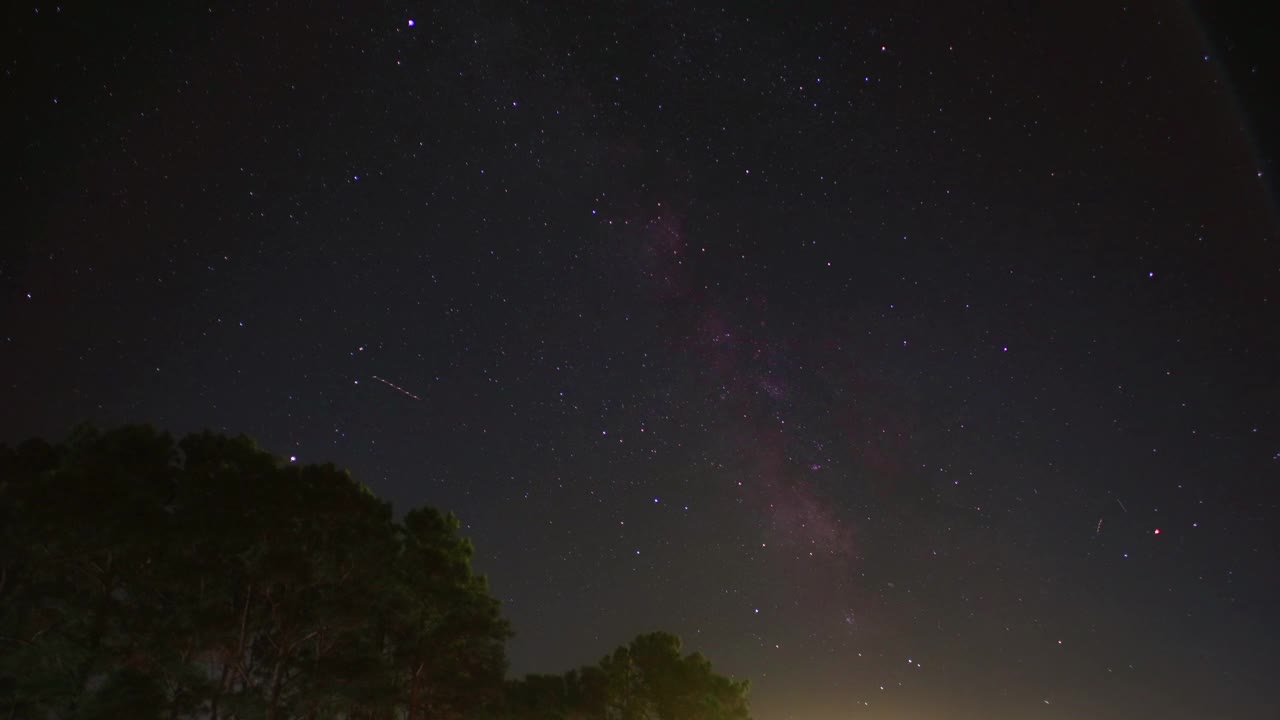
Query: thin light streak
x=396, y=387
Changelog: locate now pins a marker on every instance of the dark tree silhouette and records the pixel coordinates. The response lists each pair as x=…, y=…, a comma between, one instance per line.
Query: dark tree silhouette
x=146, y=578
x=141, y=578
x=647, y=679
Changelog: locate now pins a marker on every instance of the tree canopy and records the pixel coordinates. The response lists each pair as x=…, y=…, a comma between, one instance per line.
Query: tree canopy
x=647, y=679
x=145, y=577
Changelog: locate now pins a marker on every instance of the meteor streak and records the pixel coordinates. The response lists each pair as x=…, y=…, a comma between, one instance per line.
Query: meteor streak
x=396, y=387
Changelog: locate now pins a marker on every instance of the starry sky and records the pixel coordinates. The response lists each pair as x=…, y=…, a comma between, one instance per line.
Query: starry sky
x=912, y=360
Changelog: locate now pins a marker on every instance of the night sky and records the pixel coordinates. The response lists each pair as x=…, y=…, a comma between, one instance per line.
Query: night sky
x=912, y=361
